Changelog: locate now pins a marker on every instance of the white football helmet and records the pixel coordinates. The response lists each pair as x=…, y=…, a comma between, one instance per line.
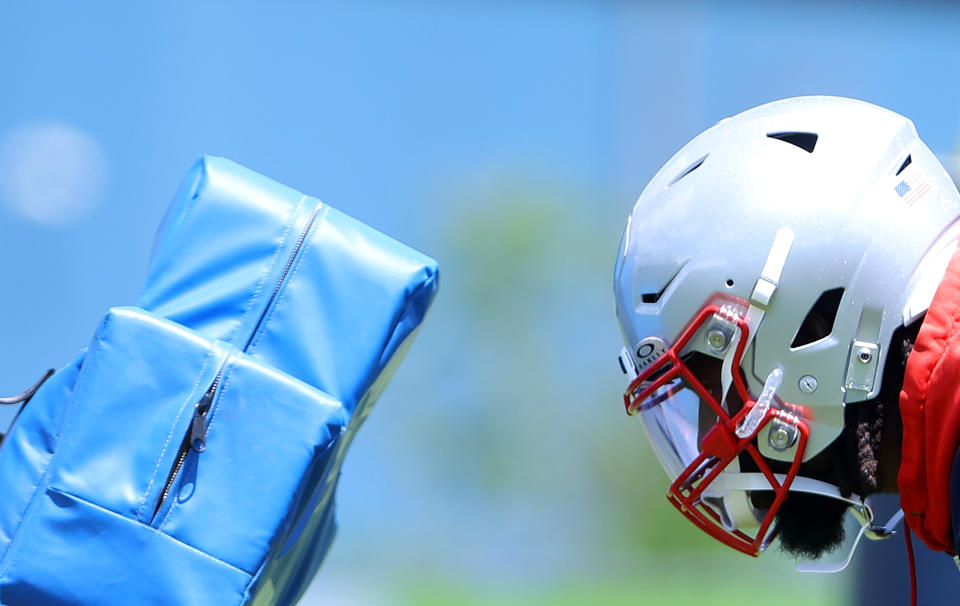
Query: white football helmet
x=758, y=283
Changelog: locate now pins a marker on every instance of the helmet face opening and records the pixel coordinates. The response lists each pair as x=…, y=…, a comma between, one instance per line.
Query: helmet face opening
x=699, y=428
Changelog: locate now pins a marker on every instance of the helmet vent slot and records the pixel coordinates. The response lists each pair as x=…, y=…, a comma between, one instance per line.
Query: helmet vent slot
x=805, y=141
x=688, y=170
x=653, y=297
x=818, y=324
x=905, y=164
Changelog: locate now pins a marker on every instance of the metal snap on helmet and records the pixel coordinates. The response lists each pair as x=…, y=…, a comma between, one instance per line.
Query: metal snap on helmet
x=758, y=283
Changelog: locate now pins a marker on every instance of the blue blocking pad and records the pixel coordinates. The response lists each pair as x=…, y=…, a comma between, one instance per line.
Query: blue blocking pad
x=190, y=455
x=126, y=465
x=77, y=553
x=288, y=279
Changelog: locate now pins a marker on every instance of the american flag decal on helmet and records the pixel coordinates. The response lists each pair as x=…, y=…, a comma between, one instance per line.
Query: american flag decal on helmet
x=913, y=185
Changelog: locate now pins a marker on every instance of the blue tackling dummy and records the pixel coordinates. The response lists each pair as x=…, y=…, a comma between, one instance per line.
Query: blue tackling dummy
x=190, y=454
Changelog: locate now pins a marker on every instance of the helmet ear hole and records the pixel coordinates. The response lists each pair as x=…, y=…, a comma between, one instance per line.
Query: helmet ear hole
x=818, y=323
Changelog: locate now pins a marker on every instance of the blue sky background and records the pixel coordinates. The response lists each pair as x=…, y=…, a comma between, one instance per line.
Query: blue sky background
x=509, y=141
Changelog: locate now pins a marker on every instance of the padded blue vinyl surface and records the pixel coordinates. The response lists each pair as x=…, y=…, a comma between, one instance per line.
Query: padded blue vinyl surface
x=190, y=454
x=332, y=312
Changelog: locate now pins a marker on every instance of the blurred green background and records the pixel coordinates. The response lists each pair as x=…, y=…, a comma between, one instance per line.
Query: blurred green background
x=507, y=140
x=507, y=472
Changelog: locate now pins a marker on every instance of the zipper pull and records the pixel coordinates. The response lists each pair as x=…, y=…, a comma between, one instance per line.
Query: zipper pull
x=198, y=426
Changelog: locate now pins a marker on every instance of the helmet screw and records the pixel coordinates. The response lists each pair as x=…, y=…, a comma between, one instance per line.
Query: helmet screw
x=782, y=436
x=716, y=340
x=808, y=384
x=864, y=355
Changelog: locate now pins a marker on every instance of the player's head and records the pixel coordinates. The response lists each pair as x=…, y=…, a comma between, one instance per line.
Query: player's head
x=760, y=282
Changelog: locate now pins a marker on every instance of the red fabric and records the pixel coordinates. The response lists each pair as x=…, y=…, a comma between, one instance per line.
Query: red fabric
x=930, y=408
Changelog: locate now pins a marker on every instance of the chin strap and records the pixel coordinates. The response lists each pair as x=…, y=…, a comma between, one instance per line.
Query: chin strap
x=874, y=533
x=912, y=563
x=859, y=507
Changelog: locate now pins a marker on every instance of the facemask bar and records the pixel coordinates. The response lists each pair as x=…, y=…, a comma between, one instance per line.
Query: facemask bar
x=722, y=444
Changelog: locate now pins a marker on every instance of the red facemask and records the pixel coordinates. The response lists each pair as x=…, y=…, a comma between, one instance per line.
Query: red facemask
x=697, y=438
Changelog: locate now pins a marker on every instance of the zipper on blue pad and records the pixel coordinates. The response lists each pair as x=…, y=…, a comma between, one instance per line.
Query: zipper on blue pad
x=282, y=278
x=201, y=414
x=194, y=441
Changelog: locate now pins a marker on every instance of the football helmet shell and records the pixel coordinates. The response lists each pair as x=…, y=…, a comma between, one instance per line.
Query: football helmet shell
x=873, y=220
